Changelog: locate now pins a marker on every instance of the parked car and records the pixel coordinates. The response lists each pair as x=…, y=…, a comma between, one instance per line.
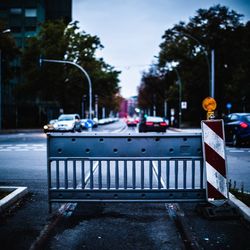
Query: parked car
x=153, y=124
x=237, y=128
x=50, y=126
x=68, y=123
x=131, y=122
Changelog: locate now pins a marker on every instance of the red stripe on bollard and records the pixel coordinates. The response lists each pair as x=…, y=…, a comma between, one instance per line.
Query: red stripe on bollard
x=215, y=160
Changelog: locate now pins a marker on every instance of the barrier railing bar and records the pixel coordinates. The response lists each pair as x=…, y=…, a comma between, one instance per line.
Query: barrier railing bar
x=83, y=173
x=91, y=181
x=159, y=174
x=193, y=173
x=125, y=175
x=167, y=174
x=142, y=174
x=74, y=174
x=133, y=175
x=99, y=174
x=57, y=175
x=176, y=173
x=108, y=174
x=150, y=174
x=156, y=173
x=184, y=174
x=66, y=181
x=116, y=175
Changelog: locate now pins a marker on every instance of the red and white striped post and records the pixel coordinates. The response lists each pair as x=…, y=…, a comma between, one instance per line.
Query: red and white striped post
x=213, y=140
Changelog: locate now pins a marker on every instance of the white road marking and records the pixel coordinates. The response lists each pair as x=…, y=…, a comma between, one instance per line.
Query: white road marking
x=22, y=147
x=236, y=151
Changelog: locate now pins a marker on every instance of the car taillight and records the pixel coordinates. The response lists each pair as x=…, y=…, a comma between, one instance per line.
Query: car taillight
x=243, y=125
x=163, y=124
x=149, y=123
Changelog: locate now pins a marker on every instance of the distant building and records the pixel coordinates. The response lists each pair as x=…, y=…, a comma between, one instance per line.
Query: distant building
x=123, y=108
x=132, y=104
x=128, y=107
x=24, y=19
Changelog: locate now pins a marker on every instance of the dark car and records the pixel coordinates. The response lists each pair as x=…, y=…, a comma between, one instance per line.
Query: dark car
x=237, y=128
x=153, y=124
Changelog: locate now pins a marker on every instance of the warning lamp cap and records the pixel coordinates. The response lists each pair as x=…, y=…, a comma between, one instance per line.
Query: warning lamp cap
x=209, y=104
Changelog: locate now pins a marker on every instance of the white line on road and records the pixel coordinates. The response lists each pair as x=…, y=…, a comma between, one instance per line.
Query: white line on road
x=237, y=151
x=22, y=147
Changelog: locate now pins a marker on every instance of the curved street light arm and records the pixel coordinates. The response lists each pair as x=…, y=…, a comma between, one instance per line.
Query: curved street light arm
x=206, y=56
x=84, y=72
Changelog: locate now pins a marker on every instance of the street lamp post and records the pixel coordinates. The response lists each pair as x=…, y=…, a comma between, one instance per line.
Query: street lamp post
x=83, y=101
x=96, y=106
x=4, y=31
x=210, y=67
x=180, y=94
x=84, y=72
x=171, y=66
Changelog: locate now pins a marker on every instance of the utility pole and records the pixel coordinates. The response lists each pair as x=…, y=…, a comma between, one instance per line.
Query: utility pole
x=210, y=66
x=96, y=106
x=212, y=73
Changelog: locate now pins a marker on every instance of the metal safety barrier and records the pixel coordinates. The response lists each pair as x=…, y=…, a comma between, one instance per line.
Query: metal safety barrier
x=125, y=168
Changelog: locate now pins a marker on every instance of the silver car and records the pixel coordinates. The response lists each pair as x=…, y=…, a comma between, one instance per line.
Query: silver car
x=68, y=123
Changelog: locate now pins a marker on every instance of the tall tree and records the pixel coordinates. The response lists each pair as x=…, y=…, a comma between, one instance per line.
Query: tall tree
x=63, y=84
x=189, y=46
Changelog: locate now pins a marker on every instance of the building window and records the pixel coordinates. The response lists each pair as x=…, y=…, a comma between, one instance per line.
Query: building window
x=16, y=11
x=30, y=12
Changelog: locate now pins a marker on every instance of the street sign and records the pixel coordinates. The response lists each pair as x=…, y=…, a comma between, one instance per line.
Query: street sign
x=229, y=105
x=184, y=105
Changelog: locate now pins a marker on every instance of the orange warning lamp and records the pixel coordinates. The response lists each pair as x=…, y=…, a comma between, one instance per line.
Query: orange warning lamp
x=209, y=104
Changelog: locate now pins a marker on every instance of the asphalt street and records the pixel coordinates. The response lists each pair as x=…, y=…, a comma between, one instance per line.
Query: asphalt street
x=28, y=225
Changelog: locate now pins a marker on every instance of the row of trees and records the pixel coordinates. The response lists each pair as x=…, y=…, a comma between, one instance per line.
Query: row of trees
x=45, y=89
x=184, y=61
x=63, y=85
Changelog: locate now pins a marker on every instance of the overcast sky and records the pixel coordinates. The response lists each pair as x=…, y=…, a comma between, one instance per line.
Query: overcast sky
x=131, y=30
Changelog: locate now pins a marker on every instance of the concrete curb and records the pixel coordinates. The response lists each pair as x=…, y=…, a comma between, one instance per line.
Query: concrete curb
x=243, y=209
x=15, y=194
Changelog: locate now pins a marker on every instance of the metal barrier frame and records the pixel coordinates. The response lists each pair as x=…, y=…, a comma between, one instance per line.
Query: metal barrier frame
x=96, y=167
